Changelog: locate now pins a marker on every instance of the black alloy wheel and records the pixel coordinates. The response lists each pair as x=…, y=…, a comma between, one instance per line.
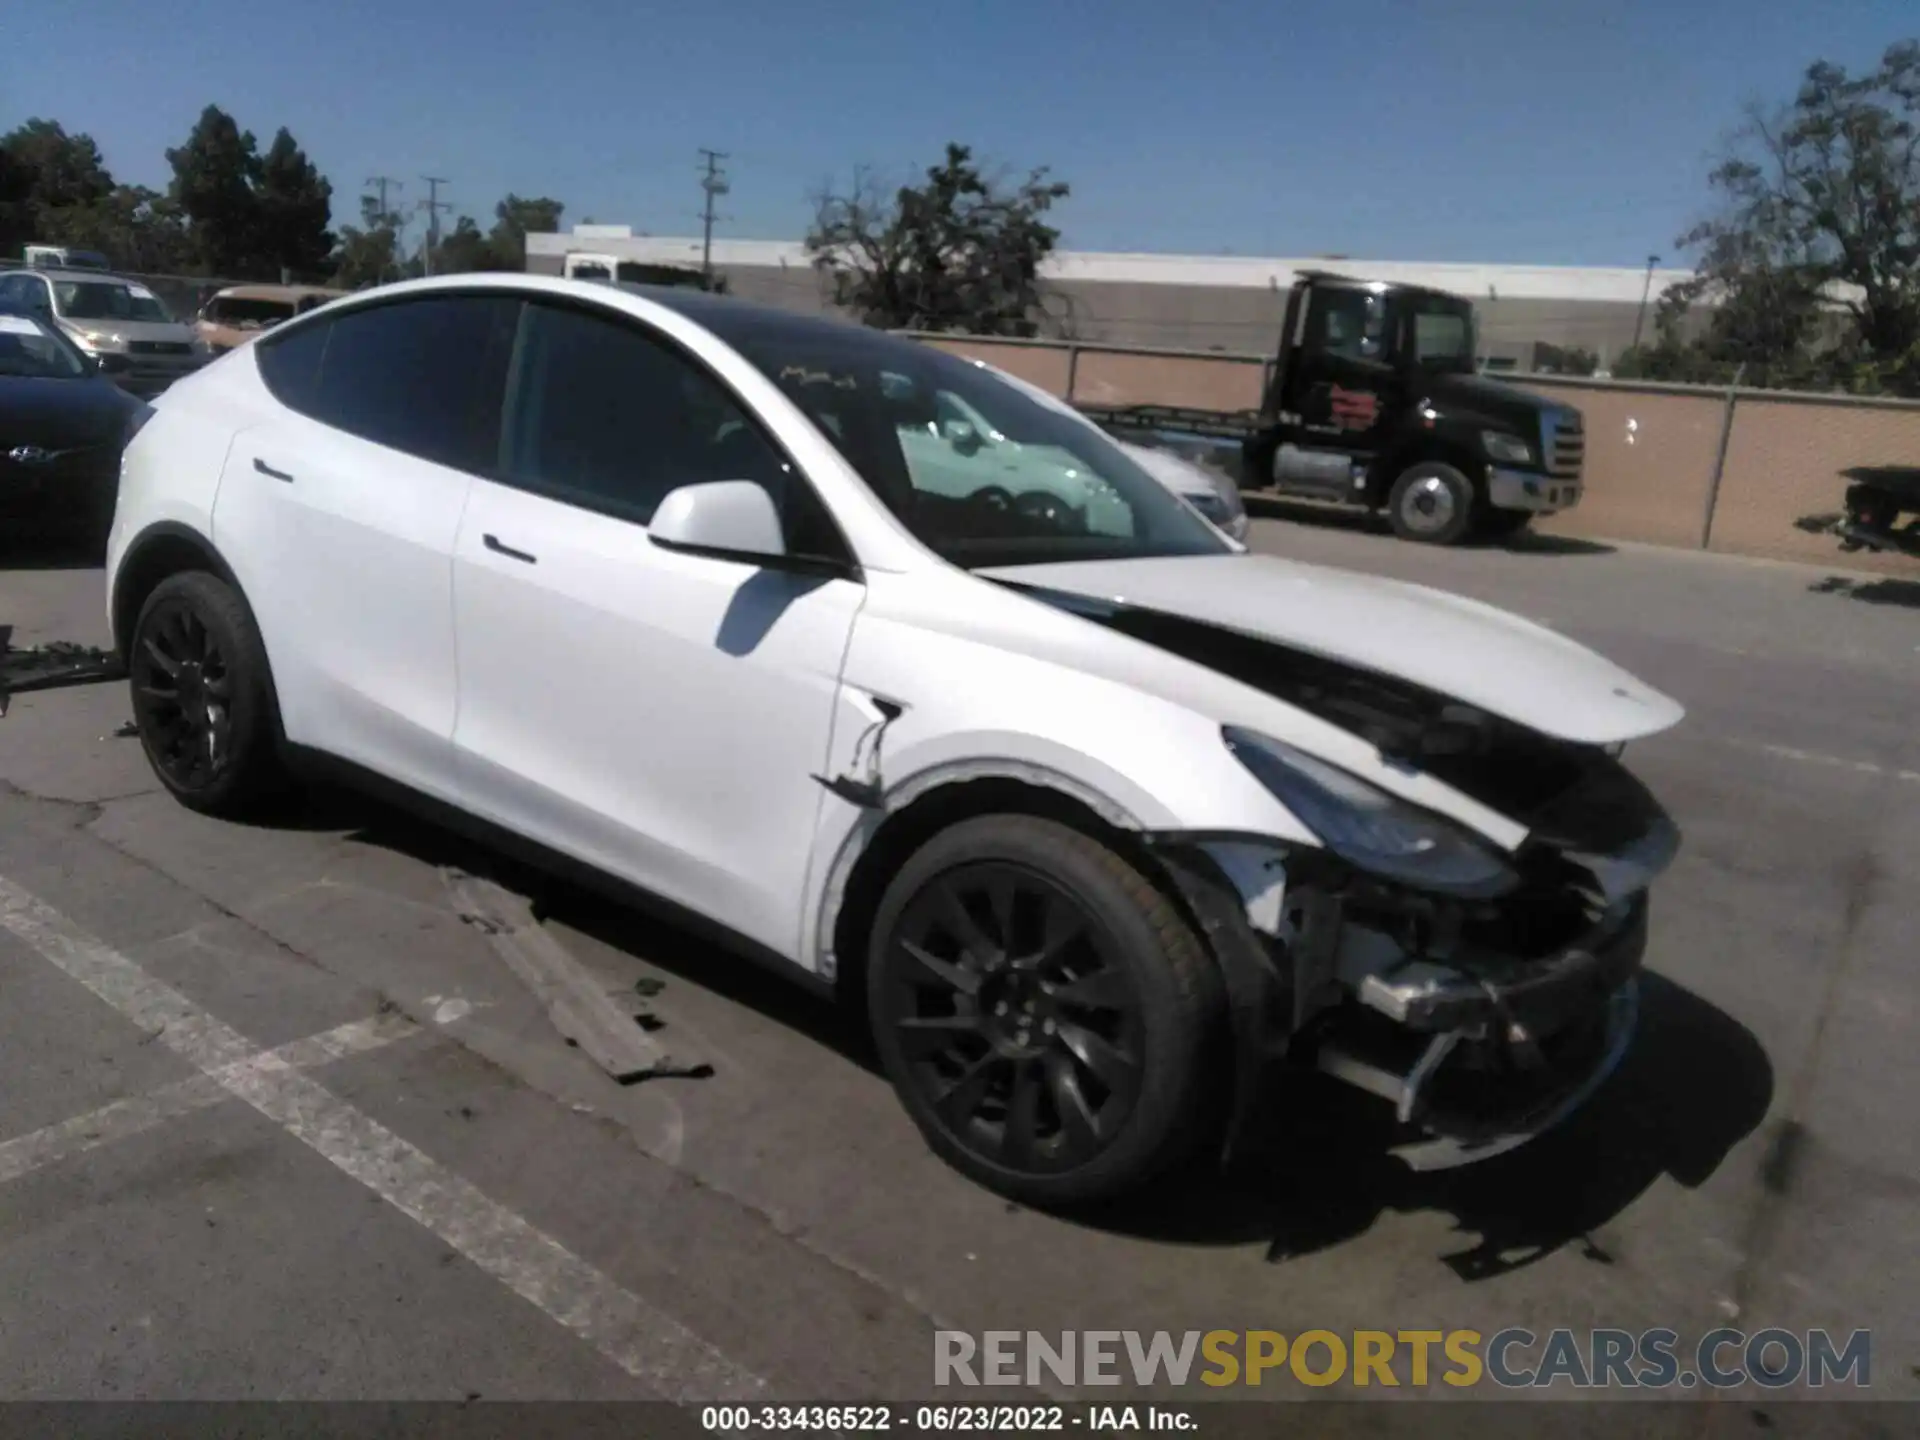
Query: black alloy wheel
x=1041, y=1009
x=183, y=696
x=202, y=702
x=1022, y=1027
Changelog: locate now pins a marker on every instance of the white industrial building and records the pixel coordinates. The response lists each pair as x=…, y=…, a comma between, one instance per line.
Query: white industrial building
x=1226, y=303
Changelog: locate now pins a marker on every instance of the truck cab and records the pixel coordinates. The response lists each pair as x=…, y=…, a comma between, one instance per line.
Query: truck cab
x=1374, y=400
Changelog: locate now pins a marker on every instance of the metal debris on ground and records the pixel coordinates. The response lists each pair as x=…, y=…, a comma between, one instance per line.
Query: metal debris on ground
x=52, y=666
x=581, y=1010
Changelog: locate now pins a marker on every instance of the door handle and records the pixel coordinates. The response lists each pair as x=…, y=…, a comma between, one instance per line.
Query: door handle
x=493, y=544
x=267, y=470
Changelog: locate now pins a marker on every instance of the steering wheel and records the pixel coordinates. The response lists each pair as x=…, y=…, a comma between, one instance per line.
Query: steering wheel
x=992, y=497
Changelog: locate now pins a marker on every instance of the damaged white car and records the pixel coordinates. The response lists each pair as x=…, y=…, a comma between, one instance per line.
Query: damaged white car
x=1095, y=813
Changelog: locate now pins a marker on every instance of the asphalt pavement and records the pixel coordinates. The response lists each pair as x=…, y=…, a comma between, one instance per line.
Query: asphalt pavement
x=278, y=1121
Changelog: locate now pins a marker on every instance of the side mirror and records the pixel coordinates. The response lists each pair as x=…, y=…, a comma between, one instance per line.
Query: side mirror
x=961, y=435
x=727, y=519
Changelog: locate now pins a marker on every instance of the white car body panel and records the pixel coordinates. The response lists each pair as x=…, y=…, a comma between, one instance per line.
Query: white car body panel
x=658, y=715
x=348, y=566
x=1445, y=642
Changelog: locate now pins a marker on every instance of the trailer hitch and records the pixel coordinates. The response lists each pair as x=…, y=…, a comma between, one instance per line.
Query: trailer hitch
x=53, y=666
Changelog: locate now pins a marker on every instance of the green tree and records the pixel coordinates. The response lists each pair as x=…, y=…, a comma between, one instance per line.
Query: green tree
x=958, y=253
x=514, y=220
x=45, y=170
x=294, y=205
x=464, y=248
x=213, y=183
x=1813, y=253
x=370, y=253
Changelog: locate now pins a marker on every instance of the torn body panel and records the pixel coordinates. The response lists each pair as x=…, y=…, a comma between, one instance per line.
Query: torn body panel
x=1482, y=1023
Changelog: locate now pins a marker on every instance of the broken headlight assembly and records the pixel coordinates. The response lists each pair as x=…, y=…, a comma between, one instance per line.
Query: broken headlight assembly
x=1373, y=831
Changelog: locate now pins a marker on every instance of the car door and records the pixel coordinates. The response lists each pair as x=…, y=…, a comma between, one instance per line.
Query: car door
x=658, y=714
x=1348, y=386
x=340, y=509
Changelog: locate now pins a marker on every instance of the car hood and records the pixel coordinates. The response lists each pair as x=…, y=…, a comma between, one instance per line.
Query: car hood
x=61, y=414
x=131, y=329
x=1439, y=642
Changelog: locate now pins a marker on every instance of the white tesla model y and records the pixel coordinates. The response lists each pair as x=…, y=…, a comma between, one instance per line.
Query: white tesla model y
x=916, y=687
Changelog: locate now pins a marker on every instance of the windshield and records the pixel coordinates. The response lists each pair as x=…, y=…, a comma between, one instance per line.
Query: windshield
x=1442, y=334
x=981, y=473
x=248, y=313
x=108, y=300
x=29, y=351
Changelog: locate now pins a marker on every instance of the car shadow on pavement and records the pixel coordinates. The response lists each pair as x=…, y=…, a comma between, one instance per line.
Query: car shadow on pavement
x=626, y=922
x=1871, y=592
x=1695, y=1083
x=1538, y=542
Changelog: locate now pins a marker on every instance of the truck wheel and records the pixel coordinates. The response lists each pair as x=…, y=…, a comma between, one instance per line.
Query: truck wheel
x=1504, y=524
x=1043, y=1011
x=1432, y=503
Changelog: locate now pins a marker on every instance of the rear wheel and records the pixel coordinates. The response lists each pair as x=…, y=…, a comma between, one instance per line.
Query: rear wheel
x=202, y=696
x=1432, y=503
x=1042, y=1011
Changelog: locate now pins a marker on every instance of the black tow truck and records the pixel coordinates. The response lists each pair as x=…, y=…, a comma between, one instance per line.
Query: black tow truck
x=1374, y=401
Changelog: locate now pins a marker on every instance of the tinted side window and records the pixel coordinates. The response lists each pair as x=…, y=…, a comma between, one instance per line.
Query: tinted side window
x=422, y=376
x=605, y=417
x=290, y=365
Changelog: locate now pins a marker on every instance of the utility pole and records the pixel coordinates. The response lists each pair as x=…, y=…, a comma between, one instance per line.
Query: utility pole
x=381, y=183
x=433, y=205
x=1645, y=291
x=714, y=182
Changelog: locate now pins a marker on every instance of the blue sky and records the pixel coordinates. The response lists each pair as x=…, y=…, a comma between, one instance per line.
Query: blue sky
x=1546, y=131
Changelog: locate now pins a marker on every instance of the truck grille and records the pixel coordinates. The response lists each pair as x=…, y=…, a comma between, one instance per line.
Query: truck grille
x=159, y=347
x=1564, y=443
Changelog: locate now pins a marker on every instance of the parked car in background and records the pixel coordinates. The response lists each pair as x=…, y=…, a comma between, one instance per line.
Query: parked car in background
x=62, y=427
x=241, y=313
x=1095, y=812
x=1214, y=493
x=120, y=323
x=62, y=257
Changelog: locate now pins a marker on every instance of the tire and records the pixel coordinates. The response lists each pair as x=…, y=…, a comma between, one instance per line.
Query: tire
x=195, y=633
x=1127, y=984
x=1433, y=504
x=1504, y=524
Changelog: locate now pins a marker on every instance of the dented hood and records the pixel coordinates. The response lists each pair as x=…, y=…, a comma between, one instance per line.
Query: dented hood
x=1445, y=643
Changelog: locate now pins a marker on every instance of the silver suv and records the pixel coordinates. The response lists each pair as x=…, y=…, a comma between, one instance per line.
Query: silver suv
x=119, y=322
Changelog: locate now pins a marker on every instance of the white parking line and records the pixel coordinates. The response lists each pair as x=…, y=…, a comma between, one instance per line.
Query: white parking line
x=1838, y=762
x=652, y=1347
x=126, y=1118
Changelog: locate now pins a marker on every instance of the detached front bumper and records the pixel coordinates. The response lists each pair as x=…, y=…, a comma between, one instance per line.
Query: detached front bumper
x=1475, y=1067
x=1473, y=1056
x=1531, y=491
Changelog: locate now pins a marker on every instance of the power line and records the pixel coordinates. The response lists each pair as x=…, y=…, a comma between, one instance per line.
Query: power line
x=714, y=182
x=433, y=205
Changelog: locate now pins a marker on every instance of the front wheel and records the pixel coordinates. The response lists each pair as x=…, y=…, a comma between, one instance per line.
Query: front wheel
x=1432, y=503
x=1042, y=1010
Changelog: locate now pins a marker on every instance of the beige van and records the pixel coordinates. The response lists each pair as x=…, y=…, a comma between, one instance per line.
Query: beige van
x=241, y=312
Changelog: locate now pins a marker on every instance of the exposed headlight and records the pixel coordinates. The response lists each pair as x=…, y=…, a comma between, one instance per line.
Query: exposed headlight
x=1507, y=449
x=1370, y=829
